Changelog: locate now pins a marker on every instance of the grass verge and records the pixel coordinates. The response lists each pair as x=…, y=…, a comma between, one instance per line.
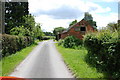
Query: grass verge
x=75, y=61
x=10, y=62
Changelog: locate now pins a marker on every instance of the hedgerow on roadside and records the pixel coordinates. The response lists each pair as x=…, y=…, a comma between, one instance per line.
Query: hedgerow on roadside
x=71, y=42
x=75, y=61
x=104, y=51
x=12, y=43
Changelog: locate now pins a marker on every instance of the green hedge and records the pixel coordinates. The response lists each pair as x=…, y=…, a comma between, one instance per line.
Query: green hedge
x=104, y=52
x=71, y=42
x=12, y=43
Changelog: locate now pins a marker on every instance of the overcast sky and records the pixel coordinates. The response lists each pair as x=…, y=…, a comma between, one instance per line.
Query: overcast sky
x=56, y=13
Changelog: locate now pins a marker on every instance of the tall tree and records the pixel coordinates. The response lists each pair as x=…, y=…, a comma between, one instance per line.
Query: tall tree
x=88, y=17
x=38, y=32
x=28, y=28
x=14, y=12
x=29, y=22
x=113, y=26
x=58, y=30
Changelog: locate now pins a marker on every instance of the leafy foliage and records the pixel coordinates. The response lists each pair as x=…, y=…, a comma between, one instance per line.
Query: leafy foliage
x=20, y=31
x=48, y=33
x=72, y=42
x=38, y=33
x=29, y=28
x=29, y=22
x=113, y=26
x=58, y=30
x=11, y=44
x=14, y=11
x=103, y=51
x=88, y=17
x=73, y=22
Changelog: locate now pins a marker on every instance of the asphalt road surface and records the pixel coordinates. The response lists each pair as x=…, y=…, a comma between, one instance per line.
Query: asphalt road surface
x=43, y=62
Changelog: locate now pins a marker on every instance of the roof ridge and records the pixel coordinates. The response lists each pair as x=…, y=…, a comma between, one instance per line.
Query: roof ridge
x=75, y=24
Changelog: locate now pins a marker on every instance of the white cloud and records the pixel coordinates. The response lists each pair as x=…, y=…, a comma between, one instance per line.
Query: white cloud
x=111, y=0
x=104, y=0
x=92, y=7
x=37, y=5
x=48, y=22
x=103, y=20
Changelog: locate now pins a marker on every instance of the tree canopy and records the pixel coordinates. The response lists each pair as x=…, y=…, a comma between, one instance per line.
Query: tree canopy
x=113, y=26
x=29, y=28
x=38, y=33
x=14, y=12
x=48, y=33
x=88, y=17
x=58, y=30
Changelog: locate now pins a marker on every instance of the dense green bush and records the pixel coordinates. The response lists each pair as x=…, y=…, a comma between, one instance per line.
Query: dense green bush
x=11, y=43
x=104, y=51
x=71, y=42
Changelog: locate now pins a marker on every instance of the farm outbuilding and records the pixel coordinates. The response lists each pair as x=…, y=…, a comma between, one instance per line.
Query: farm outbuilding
x=78, y=30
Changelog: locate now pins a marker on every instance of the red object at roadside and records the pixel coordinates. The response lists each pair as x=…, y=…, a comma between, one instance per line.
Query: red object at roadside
x=12, y=78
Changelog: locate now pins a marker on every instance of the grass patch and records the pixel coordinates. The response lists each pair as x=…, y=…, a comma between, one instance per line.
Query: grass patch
x=10, y=62
x=37, y=41
x=75, y=61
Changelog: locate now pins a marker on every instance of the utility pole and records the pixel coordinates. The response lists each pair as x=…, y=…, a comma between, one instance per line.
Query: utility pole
x=2, y=16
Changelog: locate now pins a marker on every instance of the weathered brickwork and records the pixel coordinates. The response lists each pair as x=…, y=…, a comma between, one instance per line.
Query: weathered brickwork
x=79, y=34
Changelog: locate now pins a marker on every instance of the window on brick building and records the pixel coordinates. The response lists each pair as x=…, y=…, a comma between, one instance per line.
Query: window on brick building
x=82, y=29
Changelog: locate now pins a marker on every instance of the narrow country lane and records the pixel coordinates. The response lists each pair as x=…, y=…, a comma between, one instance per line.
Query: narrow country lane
x=43, y=62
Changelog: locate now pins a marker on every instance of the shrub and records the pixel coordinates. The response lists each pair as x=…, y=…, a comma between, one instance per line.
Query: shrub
x=71, y=42
x=103, y=52
x=12, y=43
x=45, y=38
x=61, y=41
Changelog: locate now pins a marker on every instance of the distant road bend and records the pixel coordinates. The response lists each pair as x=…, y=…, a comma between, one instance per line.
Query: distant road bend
x=43, y=62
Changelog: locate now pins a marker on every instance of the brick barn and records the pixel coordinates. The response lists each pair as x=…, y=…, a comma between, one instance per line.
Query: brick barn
x=78, y=30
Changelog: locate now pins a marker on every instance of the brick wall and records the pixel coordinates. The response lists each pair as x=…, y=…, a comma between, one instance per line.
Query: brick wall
x=78, y=34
